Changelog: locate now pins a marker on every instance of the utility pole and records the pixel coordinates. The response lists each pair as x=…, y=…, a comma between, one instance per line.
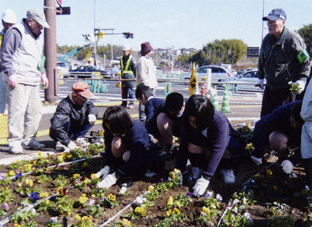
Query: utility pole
x=50, y=50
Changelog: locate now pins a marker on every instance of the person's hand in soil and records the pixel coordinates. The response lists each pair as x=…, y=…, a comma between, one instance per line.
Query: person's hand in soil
x=200, y=186
x=108, y=181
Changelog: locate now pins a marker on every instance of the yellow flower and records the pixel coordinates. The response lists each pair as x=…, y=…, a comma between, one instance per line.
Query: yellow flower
x=269, y=172
x=177, y=171
x=170, y=201
x=83, y=198
x=29, y=166
x=274, y=187
x=19, y=184
x=17, y=225
x=43, y=194
x=177, y=203
x=86, y=180
x=60, y=191
x=47, y=202
x=76, y=176
x=85, y=218
x=206, y=210
x=168, y=213
x=77, y=216
x=39, y=154
x=176, y=211
x=69, y=156
x=93, y=176
x=61, y=159
x=111, y=197
x=151, y=188
x=41, y=170
x=140, y=210
x=126, y=222
x=29, y=182
x=12, y=173
x=63, y=155
x=85, y=164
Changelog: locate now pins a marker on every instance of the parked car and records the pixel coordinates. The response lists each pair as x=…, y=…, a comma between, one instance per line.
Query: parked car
x=218, y=74
x=61, y=66
x=86, y=71
x=249, y=76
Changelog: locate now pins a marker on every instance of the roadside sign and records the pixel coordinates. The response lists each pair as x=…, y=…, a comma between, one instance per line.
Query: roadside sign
x=59, y=2
x=62, y=10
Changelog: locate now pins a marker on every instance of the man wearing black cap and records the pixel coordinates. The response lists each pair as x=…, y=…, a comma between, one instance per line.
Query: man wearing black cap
x=283, y=60
x=22, y=66
x=282, y=130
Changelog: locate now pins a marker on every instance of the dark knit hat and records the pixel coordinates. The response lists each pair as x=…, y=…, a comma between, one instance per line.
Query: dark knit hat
x=145, y=48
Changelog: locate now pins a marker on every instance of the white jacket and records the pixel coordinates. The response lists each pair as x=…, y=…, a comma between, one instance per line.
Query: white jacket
x=146, y=72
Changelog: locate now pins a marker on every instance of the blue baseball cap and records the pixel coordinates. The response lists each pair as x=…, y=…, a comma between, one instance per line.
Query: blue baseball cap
x=275, y=14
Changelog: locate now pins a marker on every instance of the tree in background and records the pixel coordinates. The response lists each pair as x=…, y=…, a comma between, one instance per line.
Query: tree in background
x=306, y=34
x=227, y=51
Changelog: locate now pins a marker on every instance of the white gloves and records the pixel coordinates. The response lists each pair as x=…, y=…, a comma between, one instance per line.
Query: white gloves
x=45, y=81
x=260, y=83
x=104, y=171
x=301, y=85
x=91, y=119
x=108, y=181
x=200, y=186
x=12, y=80
x=72, y=145
x=257, y=161
x=287, y=166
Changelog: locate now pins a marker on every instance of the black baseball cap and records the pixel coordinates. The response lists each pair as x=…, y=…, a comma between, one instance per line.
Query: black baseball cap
x=275, y=14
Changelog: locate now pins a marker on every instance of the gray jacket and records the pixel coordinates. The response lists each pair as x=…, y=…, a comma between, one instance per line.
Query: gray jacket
x=278, y=60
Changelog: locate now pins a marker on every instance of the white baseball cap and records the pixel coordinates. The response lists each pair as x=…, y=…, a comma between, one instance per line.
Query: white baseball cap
x=9, y=16
x=126, y=47
x=38, y=16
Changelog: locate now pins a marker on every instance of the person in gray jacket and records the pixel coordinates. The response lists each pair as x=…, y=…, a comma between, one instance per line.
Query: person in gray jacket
x=283, y=60
x=22, y=66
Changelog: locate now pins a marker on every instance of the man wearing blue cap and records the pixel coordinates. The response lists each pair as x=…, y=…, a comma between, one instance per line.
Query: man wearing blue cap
x=283, y=61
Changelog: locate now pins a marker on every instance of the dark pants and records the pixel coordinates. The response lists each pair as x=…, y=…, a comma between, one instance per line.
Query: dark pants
x=127, y=93
x=75, y=131
x=273, y=99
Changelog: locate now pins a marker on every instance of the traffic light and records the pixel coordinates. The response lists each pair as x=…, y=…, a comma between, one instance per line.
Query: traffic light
x=128, y=35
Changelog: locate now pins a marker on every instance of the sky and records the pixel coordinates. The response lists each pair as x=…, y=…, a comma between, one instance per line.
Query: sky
x=168, y=23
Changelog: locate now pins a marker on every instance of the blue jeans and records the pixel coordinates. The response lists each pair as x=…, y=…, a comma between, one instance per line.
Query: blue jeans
x=127, y=93
x=75, y=131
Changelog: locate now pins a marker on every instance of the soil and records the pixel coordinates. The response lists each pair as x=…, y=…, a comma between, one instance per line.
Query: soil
x=268, y=189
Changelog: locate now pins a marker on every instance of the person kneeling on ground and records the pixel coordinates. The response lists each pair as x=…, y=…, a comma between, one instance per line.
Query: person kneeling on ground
x=145, y=95
x=166, y=122
x=74, y=117
x=280, y=129
x=206, y=138
x=127, y=152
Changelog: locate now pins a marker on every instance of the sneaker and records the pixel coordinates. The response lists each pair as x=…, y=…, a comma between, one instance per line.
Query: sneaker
x=126, y=187
x=228, y=176
x=131, y=107
x=33, y=144
x=149, y=173
x=82, y=142
x=59, y=147
x=15, y=147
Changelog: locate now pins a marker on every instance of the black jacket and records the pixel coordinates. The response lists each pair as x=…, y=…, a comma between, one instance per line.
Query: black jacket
x=67, y=111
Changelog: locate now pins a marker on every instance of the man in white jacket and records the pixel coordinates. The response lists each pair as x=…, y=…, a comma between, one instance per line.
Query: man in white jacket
x=306, y=135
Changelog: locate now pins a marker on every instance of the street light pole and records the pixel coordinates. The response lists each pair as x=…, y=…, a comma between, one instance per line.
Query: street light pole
x=262, y=21
x=94, y=31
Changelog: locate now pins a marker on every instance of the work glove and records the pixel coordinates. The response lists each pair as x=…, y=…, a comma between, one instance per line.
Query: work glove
x=287, y=166
x=260, y=83
x=257, y=161
x=104, y=171
x=301, y=85
x=108, y=181
x=91, y=119
x=72, y=145
x=200, y=186
x=45, y=81
x=12, y=81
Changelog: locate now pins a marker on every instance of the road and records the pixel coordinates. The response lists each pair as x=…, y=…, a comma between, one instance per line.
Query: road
x=244, y=105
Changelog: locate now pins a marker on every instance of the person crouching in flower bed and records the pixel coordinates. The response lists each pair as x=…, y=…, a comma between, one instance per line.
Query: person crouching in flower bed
x=206, y=138
x=127, y=150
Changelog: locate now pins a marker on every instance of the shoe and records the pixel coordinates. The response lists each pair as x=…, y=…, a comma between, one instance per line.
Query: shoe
x=33, y=144
x=228, y=176
x=59, y=147
x=130, y=107
x=149, y=173
x=15, y=147
x=82, y=142
x=126, y=187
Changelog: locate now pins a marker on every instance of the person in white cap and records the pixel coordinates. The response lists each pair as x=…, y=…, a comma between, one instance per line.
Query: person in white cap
x=8, y=20
x=128, y=71
x=22, y=65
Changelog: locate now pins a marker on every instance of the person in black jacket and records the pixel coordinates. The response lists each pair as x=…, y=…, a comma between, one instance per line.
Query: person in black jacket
x=127, y=152
x=145, y=95
x=74, y=117
x=280, y=129
x=206, y=138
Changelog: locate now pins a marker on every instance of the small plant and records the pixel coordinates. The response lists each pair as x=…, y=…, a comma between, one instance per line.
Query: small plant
x=164, y=223
x=110, y=201
x=174, y=178
x=82, y=201
x=207, y=214
x=152, y=195
x=85, y=221
x=277, y=208
x=136, y=213
x=295, y=88
x=6, y=195
x=123, y=223
x=95, y=210
x=175, y=215
x=23, y=216
x=43, y=178
x=231, y=218
x=98, y=192
x=182, y=200
x=61, y=181
x=65, y=205
x=54, y=223
x=281, y=221
x=162, y=187
x=46, y=205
